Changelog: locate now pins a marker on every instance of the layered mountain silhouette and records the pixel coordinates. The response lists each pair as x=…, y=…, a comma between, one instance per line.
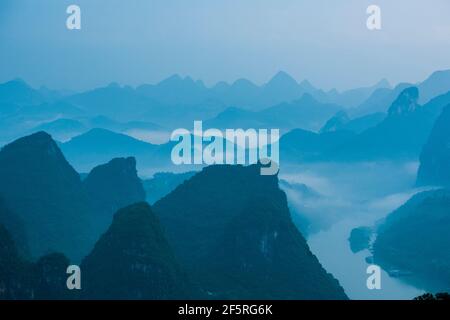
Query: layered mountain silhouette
x=355, y=97
x=118, y=103
x=435, y=157
x=379, y=101
x=400, y=135
x=112, y=186
x=242, y=244
x=133, y=260
x=62, y=129
x=305, y=112
x=225, y=232
x=342, y=122
x=18, y=92
x=438, y=83
x=302, y=145
x=40, y=186
x=47, y=207
x=99, y=146
x=162, y=183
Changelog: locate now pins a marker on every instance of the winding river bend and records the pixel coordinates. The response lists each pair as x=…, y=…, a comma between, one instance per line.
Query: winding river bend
x=332, y=249
x=353, y=195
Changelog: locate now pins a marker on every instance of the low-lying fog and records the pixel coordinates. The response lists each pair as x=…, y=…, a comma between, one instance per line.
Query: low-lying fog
x=349, y=196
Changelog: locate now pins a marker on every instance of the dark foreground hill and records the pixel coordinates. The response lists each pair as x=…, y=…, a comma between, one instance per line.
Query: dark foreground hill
x=45, y=205
x=415, y=238
x=232, y=229
x=39, y=186
x=133, y=260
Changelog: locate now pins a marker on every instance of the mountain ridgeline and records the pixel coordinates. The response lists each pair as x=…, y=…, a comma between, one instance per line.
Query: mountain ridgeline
x=46, y=194
x=239, y=244
x=193, y=243
x=398, y=135
x=113, y=186
x=133, y=260
x=225, y=232
x=47, y=207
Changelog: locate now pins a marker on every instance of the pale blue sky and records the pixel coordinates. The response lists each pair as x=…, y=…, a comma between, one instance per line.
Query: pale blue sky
x=144, y=41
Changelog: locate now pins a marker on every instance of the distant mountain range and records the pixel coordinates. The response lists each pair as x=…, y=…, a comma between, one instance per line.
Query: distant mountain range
x=99, y=146
x=305, y=112
x=400, y=134
x=176, y=102
x=225, y=232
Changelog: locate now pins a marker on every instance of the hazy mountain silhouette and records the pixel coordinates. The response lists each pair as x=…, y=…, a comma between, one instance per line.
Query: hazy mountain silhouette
x=206, y=228
x=435, y=157
x=400, y=135
x=18, y=92
x=62, y=129
x=176, y=90
x=133, y=260
x=379, y=100
x=354, y=97
x=98, y=146
x=281, y=88
x=162, y=183
x=115, y=102
x=336, y=123
x=242, y=93
x=302, y=145
x=306, y=113
x=40, y=186
x=342, y=122
x=17, y=120
x=436, y=84
x=112, y=186
x=233, y=117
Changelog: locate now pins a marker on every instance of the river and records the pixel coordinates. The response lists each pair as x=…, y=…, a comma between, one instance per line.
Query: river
x=353, y=195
